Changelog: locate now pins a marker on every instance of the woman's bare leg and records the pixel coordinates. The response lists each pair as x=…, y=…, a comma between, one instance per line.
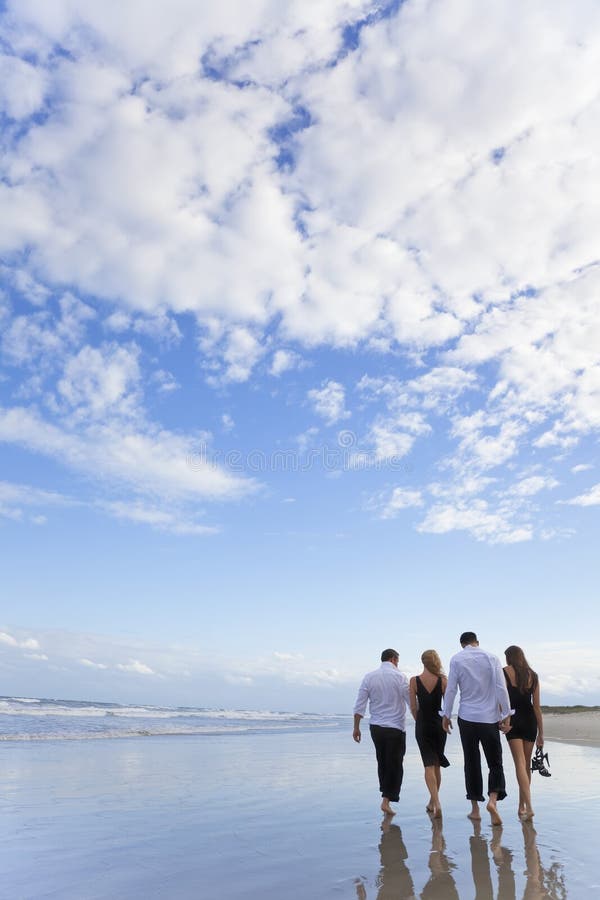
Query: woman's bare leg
x=432, y=786
x=523, y=774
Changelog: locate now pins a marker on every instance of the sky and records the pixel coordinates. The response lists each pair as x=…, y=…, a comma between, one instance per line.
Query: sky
x=299, y=330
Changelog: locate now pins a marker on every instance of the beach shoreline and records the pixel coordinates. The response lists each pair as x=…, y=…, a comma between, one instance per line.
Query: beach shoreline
x=581, y=728
x=267, y=815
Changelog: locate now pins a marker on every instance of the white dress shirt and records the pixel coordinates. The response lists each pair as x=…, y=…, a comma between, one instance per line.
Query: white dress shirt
x=386, y=691
x=479, y=677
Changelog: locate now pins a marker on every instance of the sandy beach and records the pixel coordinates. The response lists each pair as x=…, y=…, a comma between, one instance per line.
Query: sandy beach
x=267, y=816
x=573, y=727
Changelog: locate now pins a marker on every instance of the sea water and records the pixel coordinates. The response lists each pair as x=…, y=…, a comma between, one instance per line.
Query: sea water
x=35, y=719
x=114, y=802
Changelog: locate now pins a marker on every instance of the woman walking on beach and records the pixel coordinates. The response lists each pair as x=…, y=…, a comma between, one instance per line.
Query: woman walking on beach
x=426, y=692
x=526, y=724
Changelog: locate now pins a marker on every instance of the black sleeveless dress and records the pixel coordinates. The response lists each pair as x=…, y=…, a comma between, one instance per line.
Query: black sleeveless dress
x=429, y=733
x=523, y=722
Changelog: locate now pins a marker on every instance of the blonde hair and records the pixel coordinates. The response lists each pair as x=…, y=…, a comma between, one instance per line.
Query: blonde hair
x=432, y=662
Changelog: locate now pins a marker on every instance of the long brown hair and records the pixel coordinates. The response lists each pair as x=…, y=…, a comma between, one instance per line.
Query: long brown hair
x=432, y=662
x=525, y=675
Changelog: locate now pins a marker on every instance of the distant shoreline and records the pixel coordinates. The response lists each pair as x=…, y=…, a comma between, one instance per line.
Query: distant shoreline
x=572, y=725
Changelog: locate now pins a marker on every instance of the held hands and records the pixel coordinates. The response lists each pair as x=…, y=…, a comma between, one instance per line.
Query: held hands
x=504, y=725
x=446, y=724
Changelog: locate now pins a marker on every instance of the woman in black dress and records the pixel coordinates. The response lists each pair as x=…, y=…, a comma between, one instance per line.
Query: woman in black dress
x=526, y=724
x=426, y=692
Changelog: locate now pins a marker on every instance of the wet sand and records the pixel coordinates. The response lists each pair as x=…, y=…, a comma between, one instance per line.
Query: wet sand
x=272, y=816
x=573, y=727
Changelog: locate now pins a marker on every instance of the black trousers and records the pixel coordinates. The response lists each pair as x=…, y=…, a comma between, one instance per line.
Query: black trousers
x=390, y=747
x=472, y=735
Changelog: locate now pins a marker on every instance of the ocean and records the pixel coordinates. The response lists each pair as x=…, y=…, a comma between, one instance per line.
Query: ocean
x=107, y=801
x=42, y=719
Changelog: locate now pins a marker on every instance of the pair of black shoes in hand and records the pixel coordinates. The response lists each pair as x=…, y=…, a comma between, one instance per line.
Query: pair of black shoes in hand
x=537, y=763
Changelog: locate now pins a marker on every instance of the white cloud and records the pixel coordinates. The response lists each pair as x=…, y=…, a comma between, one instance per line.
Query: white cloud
x=526, y=487
x=582, y=467
x=101, y=381
x=153, y=461
x=393, y=438
x=475, y=517
x=389, y=505
x=329, y=402
x=567, y=669
x=42, y=340
x=431, y=204
x=8, y=639
x=242, y=680
x=165, y=381
x=136, y=667
x=231, y=355
x=23, y=644
x=590, y=498
x=174, y=522
x=15, y=498
x=29, y=644
x=283, y=361
x=90, y=664
x=288, y=657
x=22, y=87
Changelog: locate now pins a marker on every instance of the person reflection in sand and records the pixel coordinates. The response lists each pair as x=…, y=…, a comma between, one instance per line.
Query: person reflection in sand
x=541, y=884
x=441, y=884
x=394, y=880
x=480, y=864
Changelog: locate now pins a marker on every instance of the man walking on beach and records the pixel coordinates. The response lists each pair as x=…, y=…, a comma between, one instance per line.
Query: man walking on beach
x=484, y=708
x=386, y=692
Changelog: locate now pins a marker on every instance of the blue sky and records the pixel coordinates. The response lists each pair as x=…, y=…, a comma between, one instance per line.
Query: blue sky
x=298, y=341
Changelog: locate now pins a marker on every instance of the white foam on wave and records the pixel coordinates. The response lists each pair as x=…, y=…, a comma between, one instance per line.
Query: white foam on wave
x=41, y=711
x=133, y=733
x=12, y=706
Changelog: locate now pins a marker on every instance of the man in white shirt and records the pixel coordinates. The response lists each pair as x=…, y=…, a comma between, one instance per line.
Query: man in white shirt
x=386, y=692
x=484, y=708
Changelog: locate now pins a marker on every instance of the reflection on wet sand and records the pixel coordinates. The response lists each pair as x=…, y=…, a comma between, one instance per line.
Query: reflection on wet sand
x=540, y=882
x=394, y=881
x=480, y=865
x=441, y=884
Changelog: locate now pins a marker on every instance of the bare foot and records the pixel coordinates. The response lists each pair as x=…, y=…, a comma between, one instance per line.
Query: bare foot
x=387, y=809
x=436, y=812
x=474, y=815
x=429, y=808
x=494, y=815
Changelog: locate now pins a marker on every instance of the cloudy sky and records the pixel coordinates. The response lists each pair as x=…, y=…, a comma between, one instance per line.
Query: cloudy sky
x=299, y=329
